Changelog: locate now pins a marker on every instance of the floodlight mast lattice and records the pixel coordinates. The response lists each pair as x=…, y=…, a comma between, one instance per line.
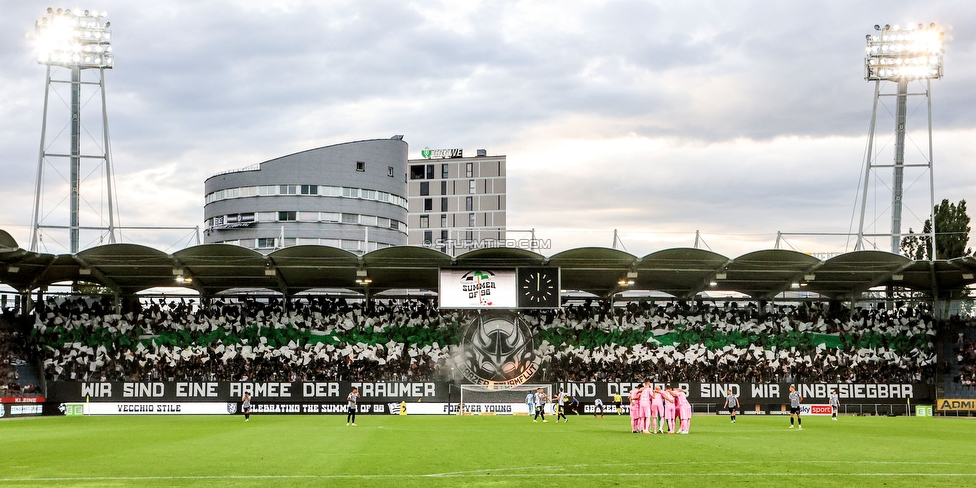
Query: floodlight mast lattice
x=76, y=40
x=901, y=56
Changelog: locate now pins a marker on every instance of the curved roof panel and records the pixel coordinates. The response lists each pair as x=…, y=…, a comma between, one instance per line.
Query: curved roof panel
x=596, y=270
x=129, y=267
x=500, y=257
x=7, y=241
x=682, y=272
x=855, y=272
x=764, y=274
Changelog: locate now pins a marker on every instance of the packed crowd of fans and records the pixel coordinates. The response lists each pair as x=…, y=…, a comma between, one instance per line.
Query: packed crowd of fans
x=326, y=339
x=314, y=340
x=706, y=343
x=966, y=358
x=12, y=354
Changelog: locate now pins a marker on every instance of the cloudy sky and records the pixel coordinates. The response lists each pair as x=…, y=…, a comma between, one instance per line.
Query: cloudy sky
x=738, y=119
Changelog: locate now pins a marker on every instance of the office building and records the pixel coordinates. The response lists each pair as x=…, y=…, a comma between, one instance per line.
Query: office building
x=456, y=203
x=351, y=196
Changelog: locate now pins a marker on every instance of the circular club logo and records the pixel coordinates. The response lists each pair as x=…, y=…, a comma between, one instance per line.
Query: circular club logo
x=232, y=408
x=498, y=348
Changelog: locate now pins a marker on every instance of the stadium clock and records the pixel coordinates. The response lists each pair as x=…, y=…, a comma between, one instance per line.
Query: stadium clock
x=538, y=287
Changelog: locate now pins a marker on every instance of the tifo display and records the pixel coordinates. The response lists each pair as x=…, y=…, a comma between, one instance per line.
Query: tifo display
x=176, y=356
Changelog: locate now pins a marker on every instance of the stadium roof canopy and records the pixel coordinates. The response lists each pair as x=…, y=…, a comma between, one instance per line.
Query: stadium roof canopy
x=683, y=272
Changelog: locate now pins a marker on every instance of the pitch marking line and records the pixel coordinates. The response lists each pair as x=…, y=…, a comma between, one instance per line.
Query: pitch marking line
x=486, y=474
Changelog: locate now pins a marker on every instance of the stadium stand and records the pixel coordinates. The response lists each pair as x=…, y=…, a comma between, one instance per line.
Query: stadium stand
x=325, y=339
x=711, y=343
x=960, y=380
x=316, y=339
x=17, y=377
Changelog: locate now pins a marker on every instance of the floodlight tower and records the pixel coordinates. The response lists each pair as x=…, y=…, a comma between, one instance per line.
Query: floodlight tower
x=76, y=40
x=901, y=56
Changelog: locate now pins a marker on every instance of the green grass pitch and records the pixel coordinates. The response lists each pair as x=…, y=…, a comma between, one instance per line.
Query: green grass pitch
x=433, y=451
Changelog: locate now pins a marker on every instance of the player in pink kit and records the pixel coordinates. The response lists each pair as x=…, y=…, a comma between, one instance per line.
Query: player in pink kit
x=684, y=410
x=645, y=407
x=636, y=423
x=657, y=411
x=669, y=409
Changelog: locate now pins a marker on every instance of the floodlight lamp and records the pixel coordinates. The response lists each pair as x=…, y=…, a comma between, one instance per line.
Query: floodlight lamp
x=904, y=54
x=63, y=38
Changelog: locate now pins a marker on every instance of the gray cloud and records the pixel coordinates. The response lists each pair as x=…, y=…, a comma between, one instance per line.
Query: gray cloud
x=201, y=87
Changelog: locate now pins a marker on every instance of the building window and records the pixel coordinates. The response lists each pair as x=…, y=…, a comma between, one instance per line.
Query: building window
x=310, y=189
x=428, y=204
x=424, y=221
x=471, y=220
x=389, y=171
x=360, y=166
x=350, y=192
x=266, y=243
x=424, y=188
x=288, y=190
x=444, y=234
x=443, y=188
x=331, y=217
x=469, y=236
x=443, y=221
x=469, y=170
x=417, y=172
x=350, y=218
x=430, y=171
x=444, y=172
x=287, y=216
x=472, y=187
x=468, y=204
x=444, y=204
x=428, y=237
x=369, y=194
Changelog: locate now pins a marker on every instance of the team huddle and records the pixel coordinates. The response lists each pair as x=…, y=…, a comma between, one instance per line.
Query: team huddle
x=652, y=409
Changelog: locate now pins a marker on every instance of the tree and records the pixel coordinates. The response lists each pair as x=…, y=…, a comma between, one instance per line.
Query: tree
x=951, y=234
x=911, y=246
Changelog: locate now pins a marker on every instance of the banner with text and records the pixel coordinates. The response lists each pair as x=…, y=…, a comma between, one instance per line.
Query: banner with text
x=967, y=404
x=761, y=393
x=445, y=392
x=479, y=289
x=223, y=391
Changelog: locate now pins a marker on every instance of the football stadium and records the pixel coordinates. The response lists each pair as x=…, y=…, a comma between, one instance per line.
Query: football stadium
x=307, y=343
